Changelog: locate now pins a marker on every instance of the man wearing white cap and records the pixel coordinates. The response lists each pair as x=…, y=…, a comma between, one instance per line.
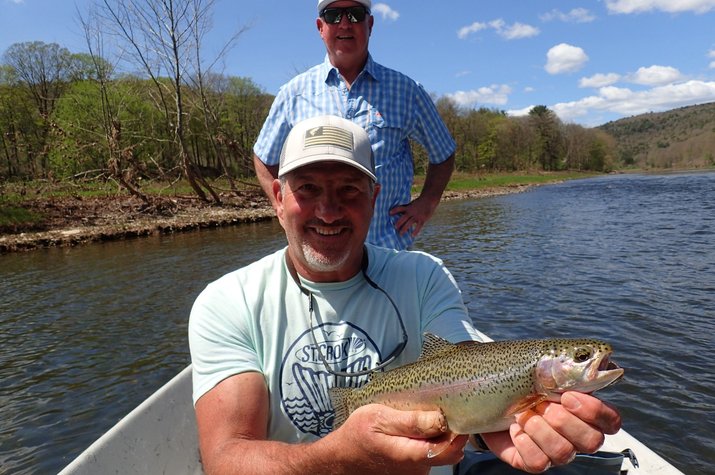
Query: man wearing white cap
x=269, y=340
x=390, y=106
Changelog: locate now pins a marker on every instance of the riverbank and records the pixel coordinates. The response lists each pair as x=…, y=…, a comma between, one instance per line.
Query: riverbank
x=74, y=220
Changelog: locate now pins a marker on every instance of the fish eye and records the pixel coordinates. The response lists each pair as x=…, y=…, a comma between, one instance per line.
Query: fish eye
x=582, y=354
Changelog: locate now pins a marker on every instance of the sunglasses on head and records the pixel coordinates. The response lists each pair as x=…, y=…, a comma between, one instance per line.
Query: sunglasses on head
x=354, y=14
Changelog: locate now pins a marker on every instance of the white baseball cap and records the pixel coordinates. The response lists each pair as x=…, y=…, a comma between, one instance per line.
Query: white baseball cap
x=324, y=3
x=327, y=138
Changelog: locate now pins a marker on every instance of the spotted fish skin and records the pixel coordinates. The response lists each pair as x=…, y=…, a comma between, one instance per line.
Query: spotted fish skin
x=480, y=387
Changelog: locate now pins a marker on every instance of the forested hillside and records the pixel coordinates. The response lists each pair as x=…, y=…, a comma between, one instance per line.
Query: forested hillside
x=679, y=138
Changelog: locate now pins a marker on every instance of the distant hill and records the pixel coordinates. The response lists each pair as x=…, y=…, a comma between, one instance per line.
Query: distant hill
x=679, y=138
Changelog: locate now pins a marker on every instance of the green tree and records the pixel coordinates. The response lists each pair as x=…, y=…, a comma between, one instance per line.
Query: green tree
x=90, y=66
x=41, y=71
x=246, y=107
x=550, y=145
x=120, y=145
x=602, y=151
x=20, y=134
x=517, y=142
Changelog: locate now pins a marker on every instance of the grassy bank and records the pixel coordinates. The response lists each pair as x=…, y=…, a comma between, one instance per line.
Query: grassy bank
x=16, y=217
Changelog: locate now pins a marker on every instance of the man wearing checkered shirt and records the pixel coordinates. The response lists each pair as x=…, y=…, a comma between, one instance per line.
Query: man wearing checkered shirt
x=390, y=106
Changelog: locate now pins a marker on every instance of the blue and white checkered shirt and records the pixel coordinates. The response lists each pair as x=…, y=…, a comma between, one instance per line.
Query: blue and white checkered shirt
x=390, y=106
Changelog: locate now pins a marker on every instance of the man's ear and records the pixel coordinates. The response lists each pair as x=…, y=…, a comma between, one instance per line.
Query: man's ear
x=278, y=197
x=319, y=25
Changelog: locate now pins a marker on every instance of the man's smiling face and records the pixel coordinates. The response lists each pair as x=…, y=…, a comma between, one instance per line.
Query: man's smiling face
x=325, y=209
x=346, y=42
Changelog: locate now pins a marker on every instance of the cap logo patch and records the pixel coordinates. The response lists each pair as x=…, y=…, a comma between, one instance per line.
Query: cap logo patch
x=328, y=135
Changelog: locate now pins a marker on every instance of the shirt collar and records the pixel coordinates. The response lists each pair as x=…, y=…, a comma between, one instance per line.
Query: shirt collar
x=329, y=71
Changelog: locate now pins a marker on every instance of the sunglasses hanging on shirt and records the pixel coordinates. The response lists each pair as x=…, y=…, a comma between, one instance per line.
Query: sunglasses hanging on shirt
x=350, y=374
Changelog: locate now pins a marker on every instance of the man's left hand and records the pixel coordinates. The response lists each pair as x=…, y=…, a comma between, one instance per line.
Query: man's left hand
x=414, y=215
x=552, y=433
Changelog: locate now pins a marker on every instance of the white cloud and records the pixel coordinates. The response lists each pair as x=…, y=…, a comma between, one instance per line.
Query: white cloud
x=599, y=80
x=711, y=54
x=613, y=93
x=465, y=31
x=577, y=15
x=655, y=75
x=520, y=112
x=510, y=32
x=497, y=24
x=626, y=102
x=565, y=58
x=518, y=31
x=670, y=6
x=650, y=76
x=386, y=12
x=494, y=94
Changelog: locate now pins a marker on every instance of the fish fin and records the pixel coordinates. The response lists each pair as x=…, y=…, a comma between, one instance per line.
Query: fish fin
x=339, y=400
x=440, y=447
x=526, y=403
x=434, y=345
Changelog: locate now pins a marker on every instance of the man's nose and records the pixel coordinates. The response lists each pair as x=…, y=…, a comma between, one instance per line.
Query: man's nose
x=344, y=20
x=329, y=208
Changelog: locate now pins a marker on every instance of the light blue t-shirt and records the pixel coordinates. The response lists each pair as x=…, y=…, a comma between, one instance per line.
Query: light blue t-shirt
x=390, y=106
x=257, y=319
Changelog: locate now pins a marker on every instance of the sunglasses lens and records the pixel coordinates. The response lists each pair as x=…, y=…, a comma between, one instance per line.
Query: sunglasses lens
x=356, y=14
x=333, y=15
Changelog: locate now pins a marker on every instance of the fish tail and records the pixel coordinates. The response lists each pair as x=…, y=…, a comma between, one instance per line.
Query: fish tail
x=339, y=399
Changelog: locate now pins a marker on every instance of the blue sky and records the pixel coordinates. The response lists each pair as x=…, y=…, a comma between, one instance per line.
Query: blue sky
x=589, y=61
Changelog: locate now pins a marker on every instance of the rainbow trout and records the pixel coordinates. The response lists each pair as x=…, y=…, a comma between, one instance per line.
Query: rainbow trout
x=480, y=387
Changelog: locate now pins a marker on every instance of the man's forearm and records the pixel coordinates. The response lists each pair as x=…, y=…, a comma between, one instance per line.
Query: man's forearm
x=436, y=180
x=277, y=458
x=265, y=174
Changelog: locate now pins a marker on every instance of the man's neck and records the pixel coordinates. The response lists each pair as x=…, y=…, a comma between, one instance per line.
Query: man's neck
x=349, y=73
x=345, y=273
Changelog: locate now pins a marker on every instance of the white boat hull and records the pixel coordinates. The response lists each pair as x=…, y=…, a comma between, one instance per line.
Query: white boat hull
x=159, y=436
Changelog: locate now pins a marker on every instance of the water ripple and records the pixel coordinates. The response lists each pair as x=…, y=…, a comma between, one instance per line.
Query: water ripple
x=93, y=331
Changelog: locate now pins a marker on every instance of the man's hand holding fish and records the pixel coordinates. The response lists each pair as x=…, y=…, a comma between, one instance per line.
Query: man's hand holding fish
x=551, y=433
x=379, y=439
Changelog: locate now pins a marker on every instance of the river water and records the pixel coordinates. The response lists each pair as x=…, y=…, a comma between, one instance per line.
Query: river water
x=87, y=333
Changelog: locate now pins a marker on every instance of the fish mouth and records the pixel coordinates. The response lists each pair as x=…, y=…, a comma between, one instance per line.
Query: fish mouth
x=604, y=374
x=607, y=365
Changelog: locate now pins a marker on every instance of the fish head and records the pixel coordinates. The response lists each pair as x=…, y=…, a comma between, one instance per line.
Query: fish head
x=581, y=365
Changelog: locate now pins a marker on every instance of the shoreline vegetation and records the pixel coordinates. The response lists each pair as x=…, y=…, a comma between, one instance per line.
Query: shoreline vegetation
x=42, y=215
